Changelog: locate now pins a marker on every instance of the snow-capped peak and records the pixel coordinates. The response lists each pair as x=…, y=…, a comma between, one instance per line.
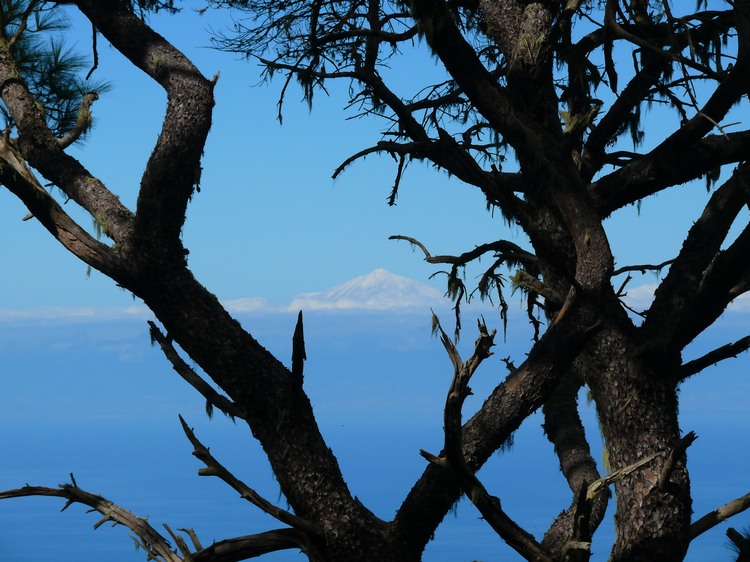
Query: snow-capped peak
x=378, y=290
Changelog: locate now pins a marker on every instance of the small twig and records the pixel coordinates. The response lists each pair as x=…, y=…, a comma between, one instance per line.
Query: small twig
x=193, y=538
x=503, y=247
x=181, y=544
x=215, y=468
x=719, y=515
x=642, y=268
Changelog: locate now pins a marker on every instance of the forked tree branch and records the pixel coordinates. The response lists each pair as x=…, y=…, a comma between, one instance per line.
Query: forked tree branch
x=524, y=390
x=651, y=174
x=42, y=150
x=157, y=546
x=613, y=195
x=452, y=459
x=676, y=295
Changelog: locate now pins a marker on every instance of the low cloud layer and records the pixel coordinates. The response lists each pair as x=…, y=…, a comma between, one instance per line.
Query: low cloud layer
x=377, y=290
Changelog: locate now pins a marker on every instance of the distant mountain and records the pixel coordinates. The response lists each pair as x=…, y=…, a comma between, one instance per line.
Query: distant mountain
x=378, y=290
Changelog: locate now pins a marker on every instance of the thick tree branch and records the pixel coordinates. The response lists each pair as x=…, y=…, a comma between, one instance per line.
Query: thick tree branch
x=556, y=183
x=564, y=429
x=37, y=145
x=727, y=278
x=522, y=392
x=462, y=63
x=253, y=546
x=652, y=173
x=19, y=180
x=611, y=123
x=675, y=297
x=173, y=170
x=642, y=84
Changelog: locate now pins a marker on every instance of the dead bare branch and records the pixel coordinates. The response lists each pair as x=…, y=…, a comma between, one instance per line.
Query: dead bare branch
x=252, y=546
x=452, y=459
x=212, y=397
x=728, y=351
x=719, y=515
x=154, y=543
x=215, y=468
x=643, y=268
x=675, y=455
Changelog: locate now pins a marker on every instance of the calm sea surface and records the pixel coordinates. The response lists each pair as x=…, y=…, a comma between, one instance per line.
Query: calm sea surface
x=96, y=400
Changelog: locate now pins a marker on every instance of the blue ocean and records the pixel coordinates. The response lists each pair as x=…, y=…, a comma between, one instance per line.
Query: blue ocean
x=94, y=399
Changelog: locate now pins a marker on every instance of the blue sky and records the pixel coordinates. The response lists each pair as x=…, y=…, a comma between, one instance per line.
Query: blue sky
x=270, y=224
x=269, y=220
